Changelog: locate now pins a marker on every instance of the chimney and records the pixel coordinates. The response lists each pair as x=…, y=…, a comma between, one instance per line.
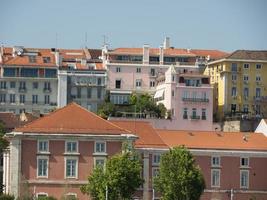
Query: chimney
x=161, y=55
x=166, y=43
x=104, y=53
x=57, y=58
x=145, y=54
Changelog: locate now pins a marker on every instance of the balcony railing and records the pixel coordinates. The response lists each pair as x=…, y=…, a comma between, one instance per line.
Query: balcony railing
x=22, y=89
x=195, y=99
x=47, y=90
x=194, y=117
x=29, y=103
x=260, y=98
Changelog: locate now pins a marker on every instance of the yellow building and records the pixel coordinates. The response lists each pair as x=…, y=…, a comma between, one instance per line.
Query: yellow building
x=240, y=84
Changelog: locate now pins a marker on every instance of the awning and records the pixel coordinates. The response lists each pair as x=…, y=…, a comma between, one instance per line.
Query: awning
x=159, y=94
x=120, y=92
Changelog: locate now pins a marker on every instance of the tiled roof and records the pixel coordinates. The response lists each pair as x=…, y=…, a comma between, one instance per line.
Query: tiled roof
x=11, y=121
x=148, y=138
x=152, y=51
x=248, y=55
x=214, y=140
x=72, y=119
x=95, y=53
x=72, y=53
x=214, y=54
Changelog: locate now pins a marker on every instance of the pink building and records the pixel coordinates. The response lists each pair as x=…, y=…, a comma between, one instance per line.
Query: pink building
x=55, y=154
x=188, y=96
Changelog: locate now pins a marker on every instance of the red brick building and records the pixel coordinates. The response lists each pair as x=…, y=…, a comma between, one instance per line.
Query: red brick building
x=56, y=153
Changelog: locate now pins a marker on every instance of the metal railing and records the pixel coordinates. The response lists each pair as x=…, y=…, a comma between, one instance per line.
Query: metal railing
x=195, y=99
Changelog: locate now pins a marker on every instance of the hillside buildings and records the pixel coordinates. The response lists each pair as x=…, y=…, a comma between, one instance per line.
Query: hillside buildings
x=239, y=84
x=55, y=154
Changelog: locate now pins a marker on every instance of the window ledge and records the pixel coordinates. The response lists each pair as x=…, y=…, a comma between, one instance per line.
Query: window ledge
x=71, y=154
x=43, y=153
x=245, y=167
x=100, y=154
x=216, y=166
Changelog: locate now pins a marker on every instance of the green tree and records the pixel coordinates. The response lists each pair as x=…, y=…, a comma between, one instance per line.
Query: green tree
x=121, y=178
x=3, y=142
x=106, y=109
x=179, y=178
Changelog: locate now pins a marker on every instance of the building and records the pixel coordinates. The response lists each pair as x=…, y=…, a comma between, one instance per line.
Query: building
x=262, y=127
x=54, y=154
x=64, y=146
x=239, y=84
x=187, y=95
x=28, y=80
x=136, y=69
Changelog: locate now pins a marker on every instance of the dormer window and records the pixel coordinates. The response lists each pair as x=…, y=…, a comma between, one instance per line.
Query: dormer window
x=46, y=59
x=32, y=59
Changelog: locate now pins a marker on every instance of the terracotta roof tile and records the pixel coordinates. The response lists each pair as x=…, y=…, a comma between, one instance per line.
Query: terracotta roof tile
x=214, y=54
x=214, y=140
x=72, y=119
x=148, y=138
x=248, y=55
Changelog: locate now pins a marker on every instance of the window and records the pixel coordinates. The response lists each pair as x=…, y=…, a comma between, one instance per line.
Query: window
x=28, y=72
x=233, y=91
x=215, y=161
x=245, y=108
x=245, y=77
x=50, y=73
x=233, y=108
x=22, y=85
x=42, y=163
x=32, y=59
x=203, y=115
x=118, y=69
x=234, y=67
x=71, y=146
x=172, y=93
x=246, y=92
x=244, y=162
x=71, y=196
x=258, y=78
x=156, y=159
x=35, y=85
x=34, y=99
x=46, y=59
x=244, y=178
x=234, y=77
x=12, y=98
x=118, y=84
x=152, y=72
x=258, y=66
x=258, y=92
x=47, y=86
x=79, y=92
x=100, y=147
x=155, y=171
x=99, y=93
x=185, y=94
x=9, y=72
x=215, y=177
x=138, y=83
x=12, y=84
x=99, y=81
x=99, y=162
x=185, y=115
x=47, y=99
x=89, y=93
x=3, y=85
x=152, y=83
x=42, y=195
x=43, y=146
x=246, y=66
x=138, y=70
x=71, y=168
x=2, y=98
x=194, y=112
x=21, y=98
x=258, y=109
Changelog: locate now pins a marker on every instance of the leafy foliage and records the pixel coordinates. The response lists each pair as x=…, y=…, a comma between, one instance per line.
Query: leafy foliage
x=3, y=142
x=6, y=197
x=47, y=198
x=179, y=177
x=121, y=178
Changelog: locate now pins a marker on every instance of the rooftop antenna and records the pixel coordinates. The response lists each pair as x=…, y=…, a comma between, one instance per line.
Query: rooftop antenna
x=56, y=40
x=105, y=38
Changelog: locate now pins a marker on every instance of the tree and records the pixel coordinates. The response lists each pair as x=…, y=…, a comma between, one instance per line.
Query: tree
x=106, y=109
x=179, y=177
x=3, y=142
x=121, y=177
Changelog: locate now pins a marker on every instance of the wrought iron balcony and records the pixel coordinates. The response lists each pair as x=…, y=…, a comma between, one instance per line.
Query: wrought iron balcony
x=195, y=99
x=194, y=117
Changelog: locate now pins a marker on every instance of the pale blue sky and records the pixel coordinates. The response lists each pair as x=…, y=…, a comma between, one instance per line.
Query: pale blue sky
x=210, y=24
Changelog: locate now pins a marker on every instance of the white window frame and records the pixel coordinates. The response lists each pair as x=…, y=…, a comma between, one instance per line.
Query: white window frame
x=153, y=169
x=244, y=166
x=100, y=158
x=47, y=169
x=258, y=78
x=118, y=69
x=72, y=141
x=244, y=187
x=138, y=83
x=65, y=167
x=214, y=164
x=105, y=147
x=153, y=158
x=38, y=146
x=138, y=70
x=41, y=194
x=257, y=66
x=246, y=65
x=246, y=77
x=211, y=177
x=71, y=194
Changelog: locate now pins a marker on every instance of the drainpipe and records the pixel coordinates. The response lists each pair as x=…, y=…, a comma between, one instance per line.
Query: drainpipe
x=232, y=194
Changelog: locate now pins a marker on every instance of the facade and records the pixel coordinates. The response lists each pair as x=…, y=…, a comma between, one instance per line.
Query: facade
x=136, y=69
x=239, y=84
x=262, y=127
x=188, y=96
x=28, y=80
x=55, y=154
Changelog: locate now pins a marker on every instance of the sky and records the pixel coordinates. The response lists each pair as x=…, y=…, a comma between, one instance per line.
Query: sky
x=226, y=25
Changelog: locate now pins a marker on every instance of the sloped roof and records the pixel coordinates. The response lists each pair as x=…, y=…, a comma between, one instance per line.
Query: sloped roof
x=148, y=138
x=214, y=54
x=248, y=55
x=72, y=119
x=214, y=140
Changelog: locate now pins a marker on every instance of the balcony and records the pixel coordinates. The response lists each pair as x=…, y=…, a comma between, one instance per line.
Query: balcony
x=47, y=90
x=195, y=117
x=195, y=99
x=260, y=99
x=22, y=89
